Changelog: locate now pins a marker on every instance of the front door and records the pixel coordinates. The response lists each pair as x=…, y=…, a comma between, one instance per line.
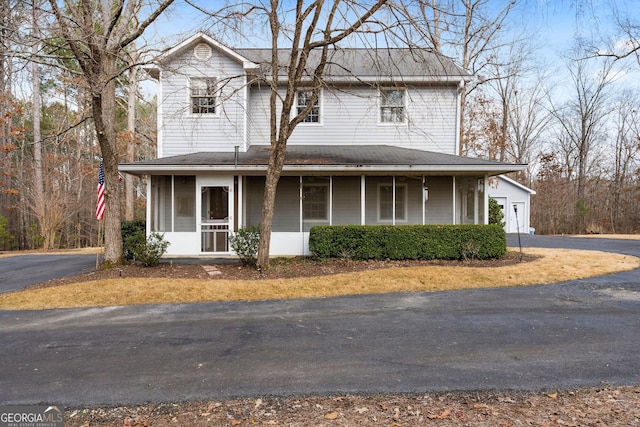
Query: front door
x=516, y=217
x=216, y=218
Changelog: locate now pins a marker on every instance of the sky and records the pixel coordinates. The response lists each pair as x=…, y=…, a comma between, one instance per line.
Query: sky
x=553, y=25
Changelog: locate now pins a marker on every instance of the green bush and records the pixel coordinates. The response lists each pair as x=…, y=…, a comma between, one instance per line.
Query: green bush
x=454, y=242
x=496, y=216
x=244, y=243
x=134, y=234
x=150, y=250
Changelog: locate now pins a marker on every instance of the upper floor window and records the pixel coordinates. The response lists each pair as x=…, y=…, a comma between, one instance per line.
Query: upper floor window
x=392, y=106
x=303, y=100
x=203, y=98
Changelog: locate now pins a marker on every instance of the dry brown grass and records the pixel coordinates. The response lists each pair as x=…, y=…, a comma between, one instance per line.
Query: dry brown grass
x=553, y=265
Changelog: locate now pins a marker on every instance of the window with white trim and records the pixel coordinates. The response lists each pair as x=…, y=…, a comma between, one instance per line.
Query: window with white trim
x=385, y=202
x=203, y=95
x=303, y=100
x=315, y=202
x=392, y=105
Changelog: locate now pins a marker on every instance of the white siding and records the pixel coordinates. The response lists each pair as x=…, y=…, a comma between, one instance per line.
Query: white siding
x=351, y=116
x=183, y=132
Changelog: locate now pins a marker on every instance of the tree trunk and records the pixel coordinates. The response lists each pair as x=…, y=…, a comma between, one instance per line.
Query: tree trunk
x=276, y=162
x=131, y=140
x=103, y=104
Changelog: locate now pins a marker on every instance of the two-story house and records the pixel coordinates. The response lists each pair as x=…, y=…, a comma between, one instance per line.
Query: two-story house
x=379, y=147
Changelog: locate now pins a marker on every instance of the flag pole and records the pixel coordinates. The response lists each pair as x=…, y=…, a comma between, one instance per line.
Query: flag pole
x=99, y=243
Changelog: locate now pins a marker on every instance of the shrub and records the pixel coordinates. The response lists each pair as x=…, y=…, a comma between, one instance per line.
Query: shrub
x=244, y=243
x=408, y=242
x=150, y=250
x=134, y=234
x=496, y=216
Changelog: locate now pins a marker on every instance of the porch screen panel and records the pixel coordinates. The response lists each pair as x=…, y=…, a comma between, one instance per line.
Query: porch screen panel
x=346, y=200
x=375, y=209
x=481, y=201
x=185, y=203
x=161, y=213
x=468, y=200
x=414, y=198
x=315, y=201
x=439, y=206
x=253, y=192
x=286, y=215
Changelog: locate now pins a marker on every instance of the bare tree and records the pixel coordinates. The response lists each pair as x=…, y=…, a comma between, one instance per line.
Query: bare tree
x=315, y=29
x=97, y=37
x=626, y=160
x=581, y=118
x=625, y=43
x=469, y=31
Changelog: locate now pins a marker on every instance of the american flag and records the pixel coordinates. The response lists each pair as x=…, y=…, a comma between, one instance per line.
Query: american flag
x=100, y=203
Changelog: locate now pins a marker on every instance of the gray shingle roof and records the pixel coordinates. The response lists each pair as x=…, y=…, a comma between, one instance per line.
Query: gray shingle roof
x=376, y=63
x=338, y=157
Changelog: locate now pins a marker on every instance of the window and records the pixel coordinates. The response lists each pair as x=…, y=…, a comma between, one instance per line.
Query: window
x=392, y=106
x=304, y=99
x=385, y=202
x=203, y=99
x=315, y=202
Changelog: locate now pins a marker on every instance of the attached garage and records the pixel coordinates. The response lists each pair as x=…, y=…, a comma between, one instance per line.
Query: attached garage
x=515, y=201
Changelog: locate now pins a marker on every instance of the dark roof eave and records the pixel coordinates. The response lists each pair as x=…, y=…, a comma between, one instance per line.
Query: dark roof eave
x=327, y=169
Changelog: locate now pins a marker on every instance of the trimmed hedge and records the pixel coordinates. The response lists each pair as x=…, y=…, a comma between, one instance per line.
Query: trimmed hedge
x=425, y=242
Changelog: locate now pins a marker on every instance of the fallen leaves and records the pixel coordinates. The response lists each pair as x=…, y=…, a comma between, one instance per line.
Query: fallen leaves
x=603, y=406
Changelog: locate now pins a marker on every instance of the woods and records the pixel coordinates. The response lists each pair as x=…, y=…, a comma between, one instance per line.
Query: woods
x=70, y=97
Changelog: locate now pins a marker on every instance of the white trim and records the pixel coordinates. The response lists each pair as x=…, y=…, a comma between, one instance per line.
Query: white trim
x=216, y=96
x=160, y=121
x=327, y=169
x=458, y=122
x=405, y=118
x=294, y=111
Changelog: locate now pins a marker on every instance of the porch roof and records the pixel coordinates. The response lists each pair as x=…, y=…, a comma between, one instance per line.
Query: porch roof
x=348, y=159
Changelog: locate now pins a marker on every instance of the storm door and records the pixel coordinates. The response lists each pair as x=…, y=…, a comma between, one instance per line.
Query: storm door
x=215, y=219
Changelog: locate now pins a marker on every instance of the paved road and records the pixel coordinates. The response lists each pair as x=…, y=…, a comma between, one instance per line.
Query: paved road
x=540, y=337
x=22, y=271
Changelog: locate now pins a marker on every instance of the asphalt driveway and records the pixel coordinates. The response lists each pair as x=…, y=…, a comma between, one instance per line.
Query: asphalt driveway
x=21, y=271
x=572, y=334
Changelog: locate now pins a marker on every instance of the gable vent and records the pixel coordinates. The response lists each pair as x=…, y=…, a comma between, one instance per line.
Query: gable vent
x=202, y=52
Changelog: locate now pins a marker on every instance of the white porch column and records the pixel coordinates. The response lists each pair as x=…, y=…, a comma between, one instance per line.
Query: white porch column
x=330, y=199
x=393, y=200
x=240, y=208
x=454, y=200
x=300, y=208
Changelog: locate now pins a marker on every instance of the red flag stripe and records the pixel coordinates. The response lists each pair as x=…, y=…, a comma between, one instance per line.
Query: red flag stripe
x=101, y=203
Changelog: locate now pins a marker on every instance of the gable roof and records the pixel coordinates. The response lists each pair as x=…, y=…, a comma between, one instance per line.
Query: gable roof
x=516, y=184
x=355, y=159
x=368, y=64
x=343, y=64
